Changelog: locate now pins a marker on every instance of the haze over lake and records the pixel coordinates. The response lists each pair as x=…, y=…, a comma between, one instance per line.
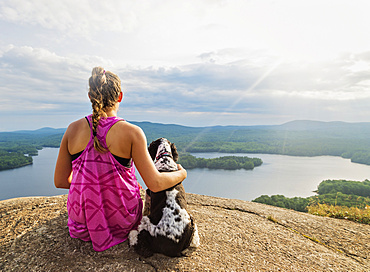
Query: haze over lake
x=285, y=175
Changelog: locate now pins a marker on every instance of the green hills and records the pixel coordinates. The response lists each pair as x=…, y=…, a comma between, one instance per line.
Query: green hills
x=296, y=138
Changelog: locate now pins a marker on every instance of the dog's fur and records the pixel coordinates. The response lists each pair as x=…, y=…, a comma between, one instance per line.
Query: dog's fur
x=166, y=226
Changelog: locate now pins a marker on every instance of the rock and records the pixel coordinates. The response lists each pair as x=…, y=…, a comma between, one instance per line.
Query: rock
x=235, y=235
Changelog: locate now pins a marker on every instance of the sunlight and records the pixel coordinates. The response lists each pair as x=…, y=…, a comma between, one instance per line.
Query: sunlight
x=237, y=101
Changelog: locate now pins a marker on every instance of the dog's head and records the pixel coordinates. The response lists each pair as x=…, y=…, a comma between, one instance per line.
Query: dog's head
x=164, y=154
x=163, y=145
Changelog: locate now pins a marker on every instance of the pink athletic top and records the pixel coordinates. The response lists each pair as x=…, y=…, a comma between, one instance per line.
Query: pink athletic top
x=104, y=201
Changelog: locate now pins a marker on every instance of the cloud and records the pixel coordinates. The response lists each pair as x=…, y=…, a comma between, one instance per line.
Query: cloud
x=91, y=16
x=76, y=17
x=256, y=87
x=189, y=62
x=36, y=81
x=51, y=83
x=210, y=81
x=339, y=79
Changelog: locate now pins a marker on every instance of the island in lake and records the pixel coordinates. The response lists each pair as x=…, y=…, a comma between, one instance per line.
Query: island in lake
x=296, y=138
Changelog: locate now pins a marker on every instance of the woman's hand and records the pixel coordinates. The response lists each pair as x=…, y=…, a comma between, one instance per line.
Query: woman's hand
x=180, y=168
x=155, y=181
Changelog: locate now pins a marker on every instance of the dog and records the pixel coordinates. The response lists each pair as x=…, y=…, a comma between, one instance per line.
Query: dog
x=166, y=226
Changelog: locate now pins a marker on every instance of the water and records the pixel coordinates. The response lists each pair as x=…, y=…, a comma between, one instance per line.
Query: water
x=32, y=180
x=286, y=175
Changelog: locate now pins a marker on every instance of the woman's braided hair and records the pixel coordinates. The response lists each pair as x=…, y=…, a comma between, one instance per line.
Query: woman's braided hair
x=104, y=90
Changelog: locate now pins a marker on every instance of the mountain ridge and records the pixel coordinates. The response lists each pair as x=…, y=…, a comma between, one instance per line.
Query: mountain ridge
x=295, y=124
x=297, y=138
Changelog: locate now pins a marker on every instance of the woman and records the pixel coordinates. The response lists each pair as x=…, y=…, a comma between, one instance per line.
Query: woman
x=95, y=164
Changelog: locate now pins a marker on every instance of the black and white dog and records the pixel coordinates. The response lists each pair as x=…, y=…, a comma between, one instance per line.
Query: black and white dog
x=166, y=226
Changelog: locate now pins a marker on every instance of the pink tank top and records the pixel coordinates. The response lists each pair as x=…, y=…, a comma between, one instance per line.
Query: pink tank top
x=104, y=201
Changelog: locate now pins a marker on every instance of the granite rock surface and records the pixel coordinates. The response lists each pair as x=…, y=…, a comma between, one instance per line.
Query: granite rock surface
x=235, y=235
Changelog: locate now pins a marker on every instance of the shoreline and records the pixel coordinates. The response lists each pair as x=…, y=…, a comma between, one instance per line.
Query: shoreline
x=18, y=166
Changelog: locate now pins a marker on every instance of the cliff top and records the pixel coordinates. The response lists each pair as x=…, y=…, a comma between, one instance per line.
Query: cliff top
x=235, y=235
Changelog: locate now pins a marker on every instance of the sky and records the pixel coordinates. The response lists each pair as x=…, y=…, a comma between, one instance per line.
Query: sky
x=186, y=62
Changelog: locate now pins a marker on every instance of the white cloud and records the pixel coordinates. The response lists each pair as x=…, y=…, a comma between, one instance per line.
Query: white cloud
x=35, y=79
x=49, y=82
x=245, y=91
x=190, y=62
x=77, y=17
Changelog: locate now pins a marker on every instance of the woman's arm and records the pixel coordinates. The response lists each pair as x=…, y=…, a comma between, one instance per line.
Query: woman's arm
x=156, y=181
x=63, y=167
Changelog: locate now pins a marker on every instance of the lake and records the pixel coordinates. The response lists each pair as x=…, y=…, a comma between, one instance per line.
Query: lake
x=285, y=175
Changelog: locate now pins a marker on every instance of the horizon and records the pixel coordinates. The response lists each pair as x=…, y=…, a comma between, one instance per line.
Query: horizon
x=196, y=64
x=156, y=123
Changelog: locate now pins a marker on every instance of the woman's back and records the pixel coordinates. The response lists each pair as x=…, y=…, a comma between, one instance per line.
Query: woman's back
x=94, y=163
x=119, y=138
x=104, y=201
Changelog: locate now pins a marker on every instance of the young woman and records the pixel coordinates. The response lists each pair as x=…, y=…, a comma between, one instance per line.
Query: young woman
x=95, y=163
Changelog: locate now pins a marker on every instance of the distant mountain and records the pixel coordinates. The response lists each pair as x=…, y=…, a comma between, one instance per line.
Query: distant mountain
x=297, y=125
x=317, y=125
x=43, y=131
x=155, y=130
x=296, y=138
x=46, y=136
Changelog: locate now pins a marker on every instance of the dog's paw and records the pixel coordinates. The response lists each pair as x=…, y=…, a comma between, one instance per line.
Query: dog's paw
x=195, y=242
x=132, y=237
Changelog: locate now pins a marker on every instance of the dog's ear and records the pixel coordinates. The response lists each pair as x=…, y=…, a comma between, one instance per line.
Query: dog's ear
x=175, y=154
x=153, y=148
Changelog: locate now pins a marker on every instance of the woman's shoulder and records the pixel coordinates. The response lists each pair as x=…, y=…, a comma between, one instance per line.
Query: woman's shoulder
x=125, y=132
x=128, y=126
x=76, y=126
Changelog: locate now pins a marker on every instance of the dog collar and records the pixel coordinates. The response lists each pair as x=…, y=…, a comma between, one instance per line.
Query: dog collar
x=166, y=153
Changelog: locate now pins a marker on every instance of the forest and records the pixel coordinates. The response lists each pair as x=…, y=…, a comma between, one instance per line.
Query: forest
x=18, y=148
x=10, y=160
x=330, y=192
x=227, y=162
x=345, y=187
x=296, y=138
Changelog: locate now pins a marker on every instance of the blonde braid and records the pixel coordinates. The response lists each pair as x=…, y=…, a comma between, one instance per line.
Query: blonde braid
x=97, y=82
